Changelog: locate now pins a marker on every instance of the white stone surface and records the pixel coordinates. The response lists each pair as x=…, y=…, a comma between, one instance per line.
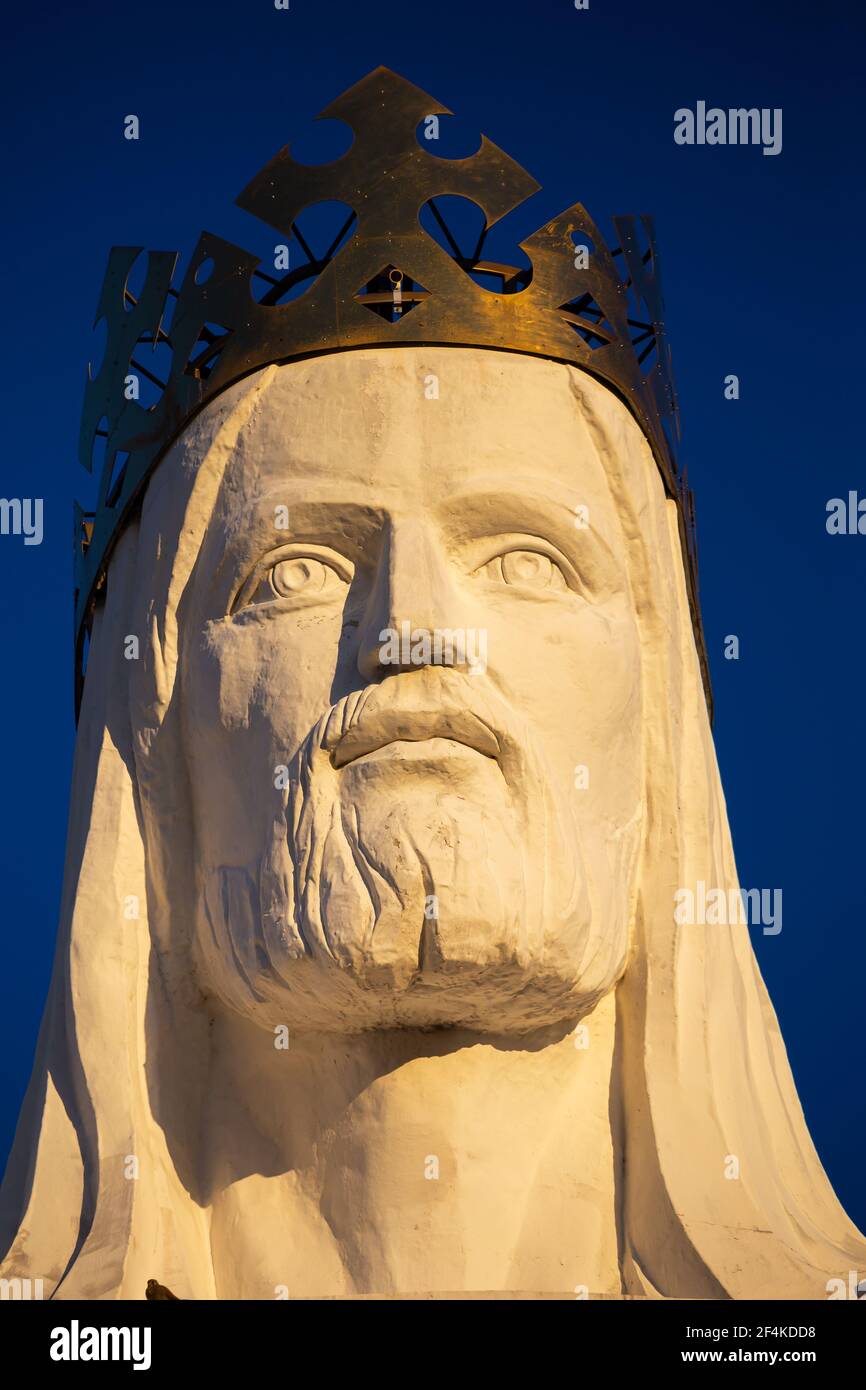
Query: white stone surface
x=433, y=1126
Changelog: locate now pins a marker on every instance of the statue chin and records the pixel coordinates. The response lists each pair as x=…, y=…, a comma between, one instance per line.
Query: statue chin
x=419, y=883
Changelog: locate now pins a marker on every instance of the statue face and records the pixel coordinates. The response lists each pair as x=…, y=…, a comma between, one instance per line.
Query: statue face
x=409, y=676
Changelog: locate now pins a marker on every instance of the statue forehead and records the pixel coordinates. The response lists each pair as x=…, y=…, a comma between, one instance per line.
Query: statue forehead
x=419, y=425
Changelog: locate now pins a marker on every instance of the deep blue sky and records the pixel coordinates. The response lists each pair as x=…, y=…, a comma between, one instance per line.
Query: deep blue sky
x=763, y=275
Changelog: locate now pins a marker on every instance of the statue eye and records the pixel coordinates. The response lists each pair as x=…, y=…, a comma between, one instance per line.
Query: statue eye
x=304, y=577
x=301, y=576
x=528, y=569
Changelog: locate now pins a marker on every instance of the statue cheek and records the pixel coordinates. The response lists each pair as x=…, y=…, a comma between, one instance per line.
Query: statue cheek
x=276, y=674
x=577, y=676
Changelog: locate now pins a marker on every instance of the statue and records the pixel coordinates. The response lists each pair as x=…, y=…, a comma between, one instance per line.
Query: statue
x=394, y=752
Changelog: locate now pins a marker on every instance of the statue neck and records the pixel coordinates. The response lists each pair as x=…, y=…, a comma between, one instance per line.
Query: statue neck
x=412, y=1163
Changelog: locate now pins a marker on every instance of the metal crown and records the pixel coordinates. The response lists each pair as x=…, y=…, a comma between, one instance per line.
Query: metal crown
x=391, y=283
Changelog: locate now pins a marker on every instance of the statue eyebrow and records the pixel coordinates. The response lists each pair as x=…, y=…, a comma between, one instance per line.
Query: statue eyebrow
x=325, y=520
x=523, y=511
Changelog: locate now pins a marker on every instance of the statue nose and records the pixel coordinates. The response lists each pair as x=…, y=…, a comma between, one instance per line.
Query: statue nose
x=413, y=595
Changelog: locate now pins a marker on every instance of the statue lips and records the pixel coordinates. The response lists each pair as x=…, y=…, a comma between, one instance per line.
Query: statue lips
x=377, y=729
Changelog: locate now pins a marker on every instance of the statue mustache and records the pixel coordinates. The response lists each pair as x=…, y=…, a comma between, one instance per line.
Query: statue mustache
x=434, y=702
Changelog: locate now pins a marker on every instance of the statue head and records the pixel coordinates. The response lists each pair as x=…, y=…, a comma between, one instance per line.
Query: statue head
x=409, y=676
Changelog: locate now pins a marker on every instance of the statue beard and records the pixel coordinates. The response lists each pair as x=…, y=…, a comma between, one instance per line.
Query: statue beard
x=424, y=870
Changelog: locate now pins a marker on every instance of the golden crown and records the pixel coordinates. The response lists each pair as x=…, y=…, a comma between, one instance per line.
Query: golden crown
x=390, y=283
